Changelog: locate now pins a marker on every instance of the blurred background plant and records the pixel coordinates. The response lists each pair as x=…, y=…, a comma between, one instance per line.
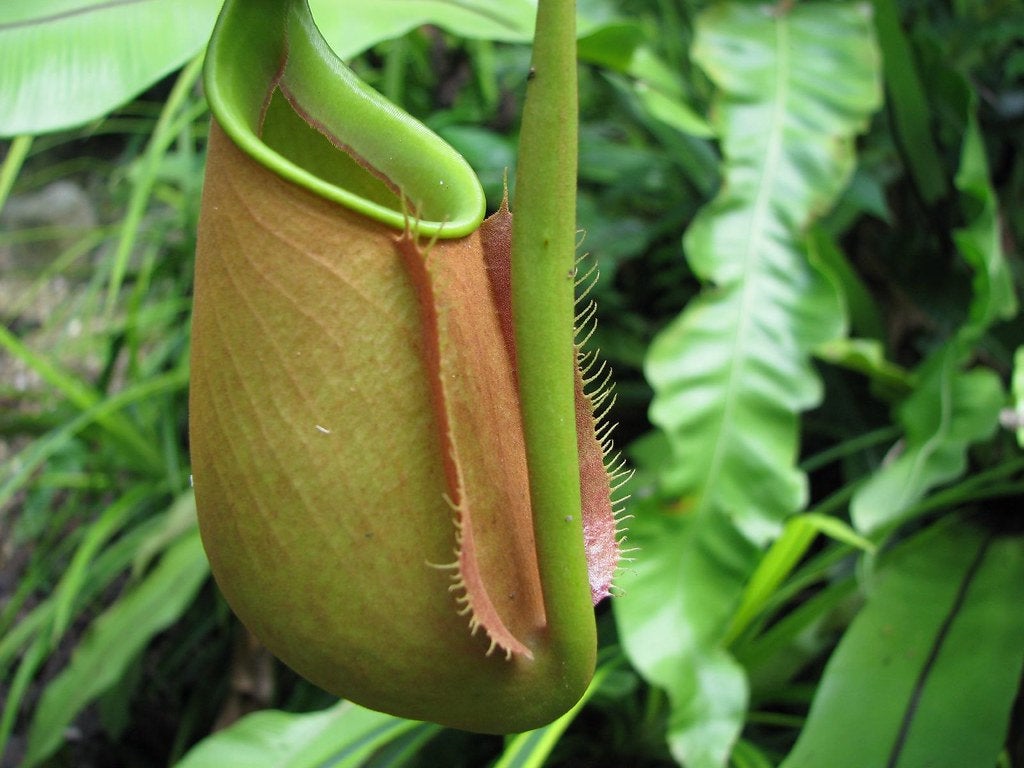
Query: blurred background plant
x=831, y=551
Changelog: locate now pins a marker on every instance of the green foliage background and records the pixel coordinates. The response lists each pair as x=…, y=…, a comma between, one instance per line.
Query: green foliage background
x=806, y=218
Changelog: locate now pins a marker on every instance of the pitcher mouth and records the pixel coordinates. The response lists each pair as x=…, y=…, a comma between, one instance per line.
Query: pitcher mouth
x=314, y=123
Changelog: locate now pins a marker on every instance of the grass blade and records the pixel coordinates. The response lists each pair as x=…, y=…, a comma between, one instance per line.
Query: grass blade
x=114, y=641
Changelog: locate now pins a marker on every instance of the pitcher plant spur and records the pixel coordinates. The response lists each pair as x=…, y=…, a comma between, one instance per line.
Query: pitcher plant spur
x=379, y=435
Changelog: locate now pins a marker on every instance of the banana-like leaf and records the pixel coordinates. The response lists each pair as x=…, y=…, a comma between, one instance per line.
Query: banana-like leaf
x=951, y=408
x=114, y=641
x=66, y=62
x=350, y=28
x=343, y=736
x=928, y=671
x=733, y=371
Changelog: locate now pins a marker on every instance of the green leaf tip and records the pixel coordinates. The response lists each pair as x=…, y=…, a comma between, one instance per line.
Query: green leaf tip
x=285, y=98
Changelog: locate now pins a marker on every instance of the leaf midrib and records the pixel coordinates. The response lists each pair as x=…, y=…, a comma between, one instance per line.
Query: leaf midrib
x=69, y=13
x=773, y=155
x=914, y=700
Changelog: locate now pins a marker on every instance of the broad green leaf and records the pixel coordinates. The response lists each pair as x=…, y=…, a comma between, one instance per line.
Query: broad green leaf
x=352, y=27
x=65, y=62
x=613, y=46
x=676, y=602
x=733, y=371
x=950, y=409
x=342, y=736
x=114, y=641
x=927, y=673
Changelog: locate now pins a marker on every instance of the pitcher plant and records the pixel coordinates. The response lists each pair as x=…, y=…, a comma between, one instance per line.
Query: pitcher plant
x=402, y=486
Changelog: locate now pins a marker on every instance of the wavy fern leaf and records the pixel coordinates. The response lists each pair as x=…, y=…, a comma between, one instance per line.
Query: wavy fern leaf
x=950, y=408
x=732, y=372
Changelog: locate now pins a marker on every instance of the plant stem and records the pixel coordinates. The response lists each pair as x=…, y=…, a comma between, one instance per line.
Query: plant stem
x=543, y=286
x=849, y=447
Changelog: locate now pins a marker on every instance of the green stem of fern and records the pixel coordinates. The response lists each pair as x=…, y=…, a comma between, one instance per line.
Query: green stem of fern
x=543, y=259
